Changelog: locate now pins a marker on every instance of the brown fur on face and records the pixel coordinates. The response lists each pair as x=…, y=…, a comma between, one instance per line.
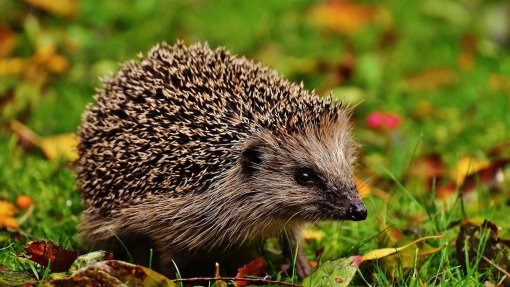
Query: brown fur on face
x=200, y=154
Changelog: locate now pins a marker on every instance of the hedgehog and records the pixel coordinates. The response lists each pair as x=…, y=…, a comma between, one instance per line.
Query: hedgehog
x=201, y=155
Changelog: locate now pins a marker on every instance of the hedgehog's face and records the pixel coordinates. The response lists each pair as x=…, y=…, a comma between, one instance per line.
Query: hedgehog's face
x=309, y=175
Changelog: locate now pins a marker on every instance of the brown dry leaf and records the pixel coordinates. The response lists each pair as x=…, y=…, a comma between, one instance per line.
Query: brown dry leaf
x=496, y=251
x=62, y=8
x=431, y=79
x=43, y=252
x=113, y=273
x=342, y=16
x=8, y=41
x=257, y=267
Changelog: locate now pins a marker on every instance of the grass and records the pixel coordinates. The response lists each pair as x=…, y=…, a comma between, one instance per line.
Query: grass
x=441, y=67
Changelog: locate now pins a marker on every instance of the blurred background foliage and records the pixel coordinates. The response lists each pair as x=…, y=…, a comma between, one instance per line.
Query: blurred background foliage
x=430, y=80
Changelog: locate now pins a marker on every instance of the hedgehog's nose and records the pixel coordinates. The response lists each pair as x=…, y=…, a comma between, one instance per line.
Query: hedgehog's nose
x=357, y=211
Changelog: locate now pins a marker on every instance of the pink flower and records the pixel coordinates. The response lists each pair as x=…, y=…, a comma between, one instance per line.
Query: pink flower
x=392, y=121
x=378, y=120
x=375, y=120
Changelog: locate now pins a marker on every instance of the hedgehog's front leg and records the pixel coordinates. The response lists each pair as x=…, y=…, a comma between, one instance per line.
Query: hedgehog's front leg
x=291, y=243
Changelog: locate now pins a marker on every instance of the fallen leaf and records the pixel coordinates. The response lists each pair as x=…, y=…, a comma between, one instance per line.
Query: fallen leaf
x=336, y=273
x=89, y=259
x=7, y=212
x=54, y=147
x=474, y=238
x=407, y=258
x=310, y=234
x=16, y=278
x=490, y=176
x=465, y=167
x=44, y=252
x=57, y=146
x=113, y=273
x=383, y=252
x=12, y=66
x=7, y=209
x=257, y=267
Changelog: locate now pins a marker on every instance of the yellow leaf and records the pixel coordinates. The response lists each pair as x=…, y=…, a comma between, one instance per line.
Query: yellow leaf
x=54, y=147
x=7, y=209
x=465, y=167
x=62, y=145
x=12, y=66
x=383, y=252
x=63, y=8
x=310, y=234
x=9, y=222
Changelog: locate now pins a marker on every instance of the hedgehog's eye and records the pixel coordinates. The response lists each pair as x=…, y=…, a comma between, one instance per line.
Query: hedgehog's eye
x=250, y=160
x=306, y=176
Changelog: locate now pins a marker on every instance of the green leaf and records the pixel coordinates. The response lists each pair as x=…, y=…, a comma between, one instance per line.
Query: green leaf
x=336, y=273
x=87, y=259
x=15, y=278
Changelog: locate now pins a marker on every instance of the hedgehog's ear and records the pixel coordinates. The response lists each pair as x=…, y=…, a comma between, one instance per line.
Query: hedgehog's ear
x=251, y=158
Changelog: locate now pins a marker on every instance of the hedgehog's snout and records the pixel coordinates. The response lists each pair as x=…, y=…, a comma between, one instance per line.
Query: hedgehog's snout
x=357, y=211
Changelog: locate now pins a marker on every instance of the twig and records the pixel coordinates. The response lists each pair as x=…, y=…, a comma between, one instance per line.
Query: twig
x=26, y=215
x=7, y=247
x=497, y=267
x=255, y=280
